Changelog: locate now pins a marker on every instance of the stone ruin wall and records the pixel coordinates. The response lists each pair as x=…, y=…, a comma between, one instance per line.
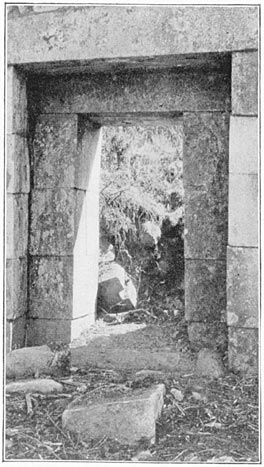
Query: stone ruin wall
x=228, y=255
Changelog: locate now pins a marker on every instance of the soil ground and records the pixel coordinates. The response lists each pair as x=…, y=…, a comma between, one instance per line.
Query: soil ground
x=217, y=420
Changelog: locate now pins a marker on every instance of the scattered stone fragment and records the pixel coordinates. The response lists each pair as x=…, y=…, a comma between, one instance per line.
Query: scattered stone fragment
x=221, y=460
x=150, y=234
x=44, y=386
x=177, y=394
x=9, y=443
x=209, y=363
x=28, y=361
x=142, y=456
x=198, y=396
x=126, y=418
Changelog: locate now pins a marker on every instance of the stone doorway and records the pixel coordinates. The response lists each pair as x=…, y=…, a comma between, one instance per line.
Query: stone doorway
x=58, y=108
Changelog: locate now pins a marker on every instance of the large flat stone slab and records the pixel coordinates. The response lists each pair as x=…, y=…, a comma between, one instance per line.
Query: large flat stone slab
x=44, y=386
x=128, y=347
x=29, y=361
x=126, y=417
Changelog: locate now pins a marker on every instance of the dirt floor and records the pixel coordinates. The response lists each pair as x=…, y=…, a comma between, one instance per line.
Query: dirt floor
x=216, y=420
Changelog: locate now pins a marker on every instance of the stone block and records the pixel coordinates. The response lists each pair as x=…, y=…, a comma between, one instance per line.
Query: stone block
x=134, y=91
x=55, y=216
x=17, y=173
x=51, y=284
x=210, y=335
x=242, y=287
x=16, y=225
x=16, y=288
x=243, y=210
x=55, y=151
x=243, y=350
x=205, y=290
x=245, y=83
x=28, y=361
x=243, y=145
x=206, y=224
x=15, y=333
x=209, y=363
x=32, y=386
x=48, y=331
x=16, y=102
x=205, y=149
x=148, y=31
x=126, y=418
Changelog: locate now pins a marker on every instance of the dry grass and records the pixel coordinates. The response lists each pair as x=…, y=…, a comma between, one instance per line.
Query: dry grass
x=224, y=423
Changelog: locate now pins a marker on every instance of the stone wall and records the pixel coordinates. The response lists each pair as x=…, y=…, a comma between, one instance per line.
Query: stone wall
x=242, y=254
x=17, y=189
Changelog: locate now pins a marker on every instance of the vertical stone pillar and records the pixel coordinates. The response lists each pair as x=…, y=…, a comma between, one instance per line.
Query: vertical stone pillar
x=205, y=175
x=17, y=189
x=242, y=257
x=60, y=240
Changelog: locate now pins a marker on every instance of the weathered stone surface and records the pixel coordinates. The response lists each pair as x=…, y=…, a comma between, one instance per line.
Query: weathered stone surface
x=143, y=31
x=44, y=331
x=115, y=289
x=150, y=234
x=51, y=283
x=16, y=225
x=104, y=353
x=15, y=333
x=134, y=91
x=245, y=83
x=242, y=287
x=243, y=210
x=55, y=151
x=177, y=394
x=28, y=361
x=243, y=145
x=205, y=290
x=211, y=335
x=243, y=347
x=205, y=149
x=17, y=174
x=55, y=217
x=16, y=102
x=125, y=417
x=16, y=287
x=206, y=224
x=44, y=386
x=209, y=363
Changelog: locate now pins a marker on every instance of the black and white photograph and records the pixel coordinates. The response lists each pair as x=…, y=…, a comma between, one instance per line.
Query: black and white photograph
x=131, y=221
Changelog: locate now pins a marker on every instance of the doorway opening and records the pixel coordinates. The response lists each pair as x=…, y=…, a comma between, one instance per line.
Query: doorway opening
x=140, y=268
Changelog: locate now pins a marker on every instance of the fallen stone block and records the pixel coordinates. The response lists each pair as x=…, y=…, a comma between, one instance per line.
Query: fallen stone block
x=209, y=363
x=150, y=234
x=126, y=418
x=116, y=291
x=44, y=386
x=28, y=361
